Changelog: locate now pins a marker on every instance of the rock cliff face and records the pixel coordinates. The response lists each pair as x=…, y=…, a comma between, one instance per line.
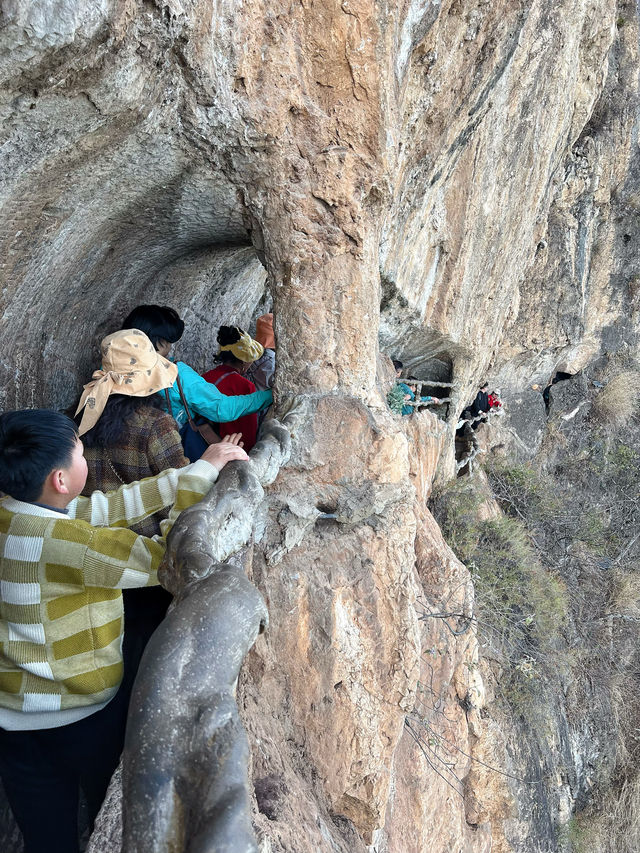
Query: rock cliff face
x=455, y=182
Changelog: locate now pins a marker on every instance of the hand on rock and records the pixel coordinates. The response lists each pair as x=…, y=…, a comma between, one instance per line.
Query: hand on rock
x=227, y=450
x=234, y=438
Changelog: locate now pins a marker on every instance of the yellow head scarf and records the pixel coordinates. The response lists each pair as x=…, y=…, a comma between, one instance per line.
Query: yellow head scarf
x=246, y=349
x=130, y=365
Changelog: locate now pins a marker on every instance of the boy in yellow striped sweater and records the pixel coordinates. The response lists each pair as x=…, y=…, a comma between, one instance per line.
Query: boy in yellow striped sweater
x=64, y=560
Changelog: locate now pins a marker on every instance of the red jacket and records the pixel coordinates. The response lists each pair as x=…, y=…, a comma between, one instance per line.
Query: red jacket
x=231, y=383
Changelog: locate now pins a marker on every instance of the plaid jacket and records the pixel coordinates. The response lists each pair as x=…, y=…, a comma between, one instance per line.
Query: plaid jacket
x=60, y=594
x=153, y=445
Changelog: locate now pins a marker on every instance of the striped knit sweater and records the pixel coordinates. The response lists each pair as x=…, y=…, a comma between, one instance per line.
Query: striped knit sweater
x=61, y=578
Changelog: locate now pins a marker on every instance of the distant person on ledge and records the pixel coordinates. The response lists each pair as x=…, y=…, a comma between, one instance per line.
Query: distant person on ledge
x=480, y=405
x=410, y=390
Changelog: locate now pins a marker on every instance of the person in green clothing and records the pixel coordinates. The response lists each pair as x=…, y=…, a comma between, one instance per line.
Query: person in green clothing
x=64, y=561
x=164, y=327
x=409, y=392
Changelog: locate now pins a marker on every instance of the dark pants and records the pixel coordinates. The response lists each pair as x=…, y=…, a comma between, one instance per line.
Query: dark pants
x=144, y=610
x=43, y=770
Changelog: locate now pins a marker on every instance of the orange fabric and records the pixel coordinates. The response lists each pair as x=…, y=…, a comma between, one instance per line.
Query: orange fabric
x=264, y=331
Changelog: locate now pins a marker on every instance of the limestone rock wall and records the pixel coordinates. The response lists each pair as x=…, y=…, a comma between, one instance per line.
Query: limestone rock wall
x=453, y=181
x=589, y=245
x=495, y=97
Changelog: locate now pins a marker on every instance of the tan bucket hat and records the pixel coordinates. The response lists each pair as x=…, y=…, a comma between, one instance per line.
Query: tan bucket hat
x=130, y=365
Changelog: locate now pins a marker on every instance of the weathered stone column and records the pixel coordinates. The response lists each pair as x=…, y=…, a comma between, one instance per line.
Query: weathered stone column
x=313, y=194
x=336, y=553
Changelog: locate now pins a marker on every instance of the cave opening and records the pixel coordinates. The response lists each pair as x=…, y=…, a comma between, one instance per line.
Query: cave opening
x=210, y=287
x=93, y=256
x=429, y=375
x=435, y=374
x=426, y=354
x=559, y=376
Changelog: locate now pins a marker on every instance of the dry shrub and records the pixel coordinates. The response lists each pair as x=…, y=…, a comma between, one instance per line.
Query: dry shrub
x=619, y=400
x=613, y=828
x=612, y=821
x=625, y=594
x=626, y=815
x=617, y=828
x=624, y=695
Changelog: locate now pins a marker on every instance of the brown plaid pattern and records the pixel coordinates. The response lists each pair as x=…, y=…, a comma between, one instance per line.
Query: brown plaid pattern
x=153, y=445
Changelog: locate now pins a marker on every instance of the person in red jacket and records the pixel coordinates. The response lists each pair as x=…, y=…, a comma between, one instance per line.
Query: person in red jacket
x=237, y=352
x=494, y=400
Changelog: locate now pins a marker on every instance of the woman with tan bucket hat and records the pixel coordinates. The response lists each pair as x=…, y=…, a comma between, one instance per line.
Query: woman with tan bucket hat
x=126, y=433
x=127, y=436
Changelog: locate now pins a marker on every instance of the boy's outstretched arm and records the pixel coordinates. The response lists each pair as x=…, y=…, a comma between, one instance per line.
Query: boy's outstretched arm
x=134, y=501
x=120, y=558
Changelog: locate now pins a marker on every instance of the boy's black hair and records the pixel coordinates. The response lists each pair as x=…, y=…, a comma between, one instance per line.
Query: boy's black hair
x=397, y=364
x=228, y=335
x=33, y=443
x=158, y=322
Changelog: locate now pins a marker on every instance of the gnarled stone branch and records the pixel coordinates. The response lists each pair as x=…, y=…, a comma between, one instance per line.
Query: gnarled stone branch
x=185, y=762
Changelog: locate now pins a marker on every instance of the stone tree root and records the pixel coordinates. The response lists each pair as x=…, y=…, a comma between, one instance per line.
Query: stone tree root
x=185, y=776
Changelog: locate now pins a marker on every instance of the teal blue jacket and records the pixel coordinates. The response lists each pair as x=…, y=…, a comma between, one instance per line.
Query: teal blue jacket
x=408, y=410
x=204, y=399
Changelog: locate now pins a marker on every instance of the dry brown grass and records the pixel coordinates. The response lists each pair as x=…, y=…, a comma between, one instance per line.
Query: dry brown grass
x=617, y=828
x=627, y=815
x=613, y=825
x=619, y=400
x=625, y=594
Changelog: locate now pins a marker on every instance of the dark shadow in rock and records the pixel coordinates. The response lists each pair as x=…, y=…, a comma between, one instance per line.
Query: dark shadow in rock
x=271, y=793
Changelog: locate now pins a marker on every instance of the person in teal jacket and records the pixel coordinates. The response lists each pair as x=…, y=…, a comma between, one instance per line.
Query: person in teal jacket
x=409, y=392
x=164, y=327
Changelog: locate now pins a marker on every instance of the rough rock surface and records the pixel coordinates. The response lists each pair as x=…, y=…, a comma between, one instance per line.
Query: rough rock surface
x=455, y=181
